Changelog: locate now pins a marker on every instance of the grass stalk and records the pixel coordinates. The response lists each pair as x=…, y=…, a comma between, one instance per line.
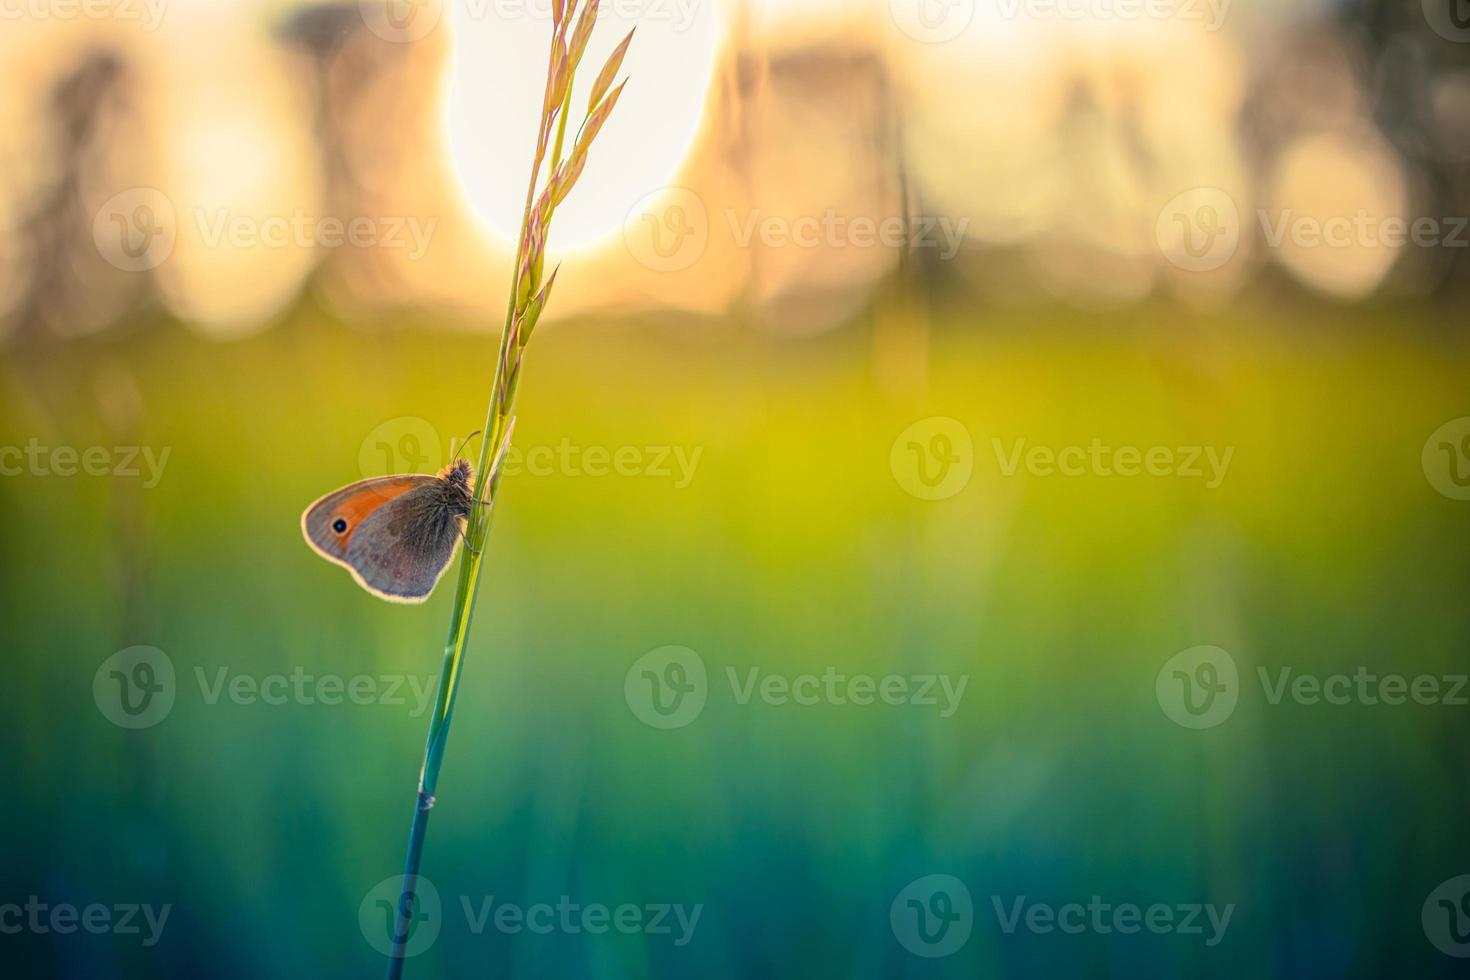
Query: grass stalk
x=528, y=296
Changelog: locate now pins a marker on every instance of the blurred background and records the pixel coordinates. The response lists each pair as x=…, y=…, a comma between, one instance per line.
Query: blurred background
x=842, y=285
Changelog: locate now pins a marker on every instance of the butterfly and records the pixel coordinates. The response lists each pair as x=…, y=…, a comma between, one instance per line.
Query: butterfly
x=396, y=534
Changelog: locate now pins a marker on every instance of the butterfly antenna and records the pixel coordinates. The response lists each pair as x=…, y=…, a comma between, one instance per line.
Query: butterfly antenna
x=465, y=444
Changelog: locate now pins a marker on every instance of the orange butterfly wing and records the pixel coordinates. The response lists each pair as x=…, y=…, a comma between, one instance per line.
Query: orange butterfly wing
x=329, y=523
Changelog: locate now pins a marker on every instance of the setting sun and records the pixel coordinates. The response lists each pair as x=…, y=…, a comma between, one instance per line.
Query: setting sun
x=502, y=49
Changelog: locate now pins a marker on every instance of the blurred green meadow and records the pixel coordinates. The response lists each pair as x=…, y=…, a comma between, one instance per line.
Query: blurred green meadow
x=794, y=548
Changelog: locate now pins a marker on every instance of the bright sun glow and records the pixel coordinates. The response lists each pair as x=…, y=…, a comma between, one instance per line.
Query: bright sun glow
x=496, y=74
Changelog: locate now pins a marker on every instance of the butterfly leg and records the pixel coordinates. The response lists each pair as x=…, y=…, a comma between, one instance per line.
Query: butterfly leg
x=469, y=547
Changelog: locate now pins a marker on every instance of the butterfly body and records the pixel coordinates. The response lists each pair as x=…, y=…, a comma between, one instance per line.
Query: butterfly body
x=395, y=534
